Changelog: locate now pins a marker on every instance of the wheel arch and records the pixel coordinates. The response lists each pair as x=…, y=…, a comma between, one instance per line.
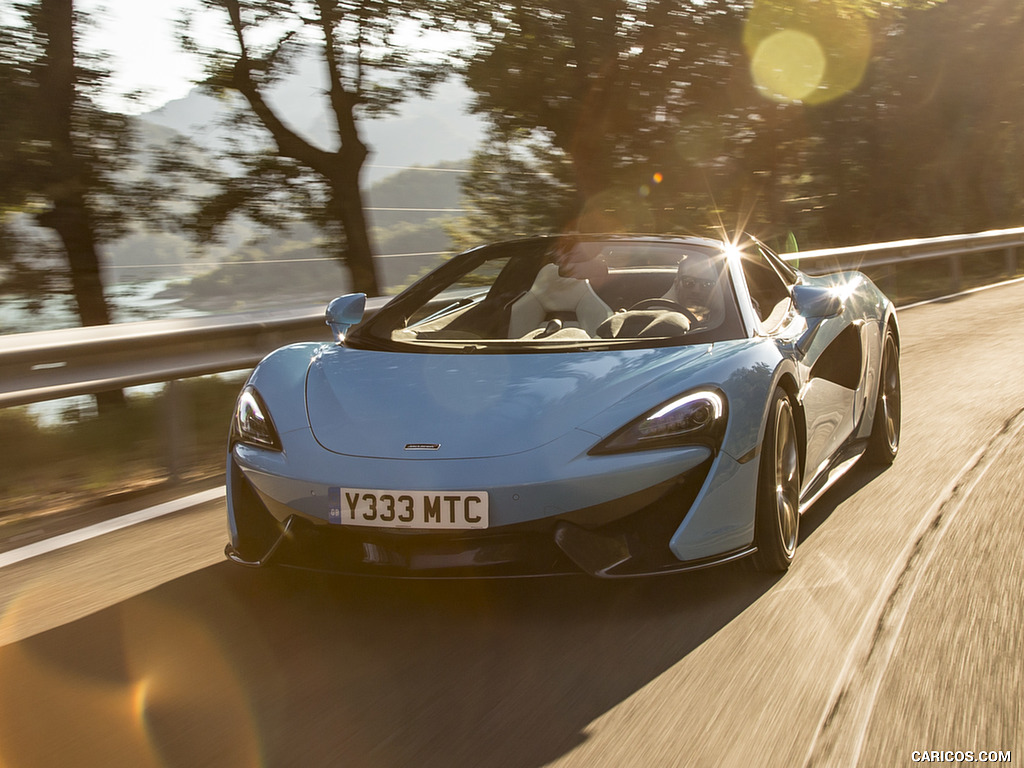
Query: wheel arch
x=787, y=381
x=892, y=324
x=889, y=325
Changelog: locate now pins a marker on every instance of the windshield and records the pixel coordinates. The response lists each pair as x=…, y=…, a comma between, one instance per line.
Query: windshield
x=565, y=293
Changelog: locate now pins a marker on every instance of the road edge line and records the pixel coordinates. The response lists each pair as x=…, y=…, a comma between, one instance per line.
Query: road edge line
x=109, y=526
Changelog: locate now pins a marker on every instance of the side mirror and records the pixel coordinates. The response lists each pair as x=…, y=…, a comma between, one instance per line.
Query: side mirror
x=816, y=304
x=817, y=301
x=344, y=312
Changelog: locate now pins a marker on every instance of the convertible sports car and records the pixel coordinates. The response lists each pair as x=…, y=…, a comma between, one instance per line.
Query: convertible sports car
x=611, y=405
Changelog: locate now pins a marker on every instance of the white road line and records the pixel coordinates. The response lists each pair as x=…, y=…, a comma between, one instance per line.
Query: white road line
x=108, y=526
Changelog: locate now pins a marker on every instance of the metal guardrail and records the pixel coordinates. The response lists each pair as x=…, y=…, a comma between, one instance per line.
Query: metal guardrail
x=48, y=365
x=952, y=248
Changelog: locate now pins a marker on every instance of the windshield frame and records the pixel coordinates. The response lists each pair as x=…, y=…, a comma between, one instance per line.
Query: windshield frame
x=527, y=256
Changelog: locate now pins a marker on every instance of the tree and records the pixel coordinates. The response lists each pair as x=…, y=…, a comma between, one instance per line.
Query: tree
x=926, y=144
x=368, y=70
x=60, y=153
x=950, y=134
x=516, y=186
x=613, y=84
x=686, y=116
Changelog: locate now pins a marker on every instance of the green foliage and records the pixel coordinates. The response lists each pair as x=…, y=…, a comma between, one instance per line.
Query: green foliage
x=31, y=161
x=839, y=121
x=516, y=187
x=949, y=135
x=611, y=83
x=832, y=122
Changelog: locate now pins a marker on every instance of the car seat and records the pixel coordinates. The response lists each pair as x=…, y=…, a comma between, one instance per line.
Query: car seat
x=553, y=297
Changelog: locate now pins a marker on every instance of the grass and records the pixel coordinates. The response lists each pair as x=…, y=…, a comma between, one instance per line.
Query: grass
x=74, y=457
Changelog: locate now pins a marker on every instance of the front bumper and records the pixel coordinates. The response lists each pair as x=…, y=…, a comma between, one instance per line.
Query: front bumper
x=632, y=540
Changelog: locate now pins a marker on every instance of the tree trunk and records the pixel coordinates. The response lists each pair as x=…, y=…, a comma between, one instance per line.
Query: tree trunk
x=347, y=203
x=340, y=169
x=69, y=214
x=358, y=250
x=69, y=218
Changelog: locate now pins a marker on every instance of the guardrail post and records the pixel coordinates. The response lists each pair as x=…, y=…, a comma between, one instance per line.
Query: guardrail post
x=956, y=273
x=1010, y=255
x=174, y=414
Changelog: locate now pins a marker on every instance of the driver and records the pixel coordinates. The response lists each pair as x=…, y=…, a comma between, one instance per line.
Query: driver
x=696, y=287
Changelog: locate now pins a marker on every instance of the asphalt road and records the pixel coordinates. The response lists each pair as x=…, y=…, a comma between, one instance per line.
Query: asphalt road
x=897, y=631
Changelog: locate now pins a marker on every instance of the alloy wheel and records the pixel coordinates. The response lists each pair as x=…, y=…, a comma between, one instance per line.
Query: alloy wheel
x=787, y=476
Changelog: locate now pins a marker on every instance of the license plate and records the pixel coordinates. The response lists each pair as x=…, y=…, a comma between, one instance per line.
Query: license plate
x=432, y=510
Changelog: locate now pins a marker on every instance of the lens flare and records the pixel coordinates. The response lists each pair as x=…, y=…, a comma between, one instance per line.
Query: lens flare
x=160, y=690
x=185, y=683
x=788, y=66
x=51, y=714
x=807, y=51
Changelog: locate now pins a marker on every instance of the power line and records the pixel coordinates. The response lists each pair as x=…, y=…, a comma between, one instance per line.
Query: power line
x=419, y=168
x=458, y=170
x=421, y=210
x=312, y=259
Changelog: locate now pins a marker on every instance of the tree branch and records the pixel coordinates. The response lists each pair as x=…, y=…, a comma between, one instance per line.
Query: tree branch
x=289, y=143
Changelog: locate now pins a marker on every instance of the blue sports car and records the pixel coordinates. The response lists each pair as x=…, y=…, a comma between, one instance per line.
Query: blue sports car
x=610, y=405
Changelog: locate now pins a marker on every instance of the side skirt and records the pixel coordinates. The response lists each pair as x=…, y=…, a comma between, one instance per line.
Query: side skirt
x=841, y=463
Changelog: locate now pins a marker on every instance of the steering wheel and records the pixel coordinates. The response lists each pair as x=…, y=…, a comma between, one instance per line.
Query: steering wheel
x=667, y=304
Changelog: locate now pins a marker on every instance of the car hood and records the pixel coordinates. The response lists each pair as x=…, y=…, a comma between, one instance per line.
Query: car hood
x=441, y=406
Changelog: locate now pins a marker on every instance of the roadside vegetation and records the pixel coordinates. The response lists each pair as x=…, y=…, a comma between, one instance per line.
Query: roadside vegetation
x=69, y=458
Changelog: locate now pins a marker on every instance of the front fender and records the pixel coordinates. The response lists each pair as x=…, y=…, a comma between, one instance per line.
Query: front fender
x=280, y=379
x=721, y=518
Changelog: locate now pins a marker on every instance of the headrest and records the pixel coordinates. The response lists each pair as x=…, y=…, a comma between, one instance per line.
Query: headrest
x=556, y=292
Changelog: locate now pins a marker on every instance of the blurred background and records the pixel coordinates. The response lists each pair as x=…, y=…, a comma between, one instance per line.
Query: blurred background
x=188, y=158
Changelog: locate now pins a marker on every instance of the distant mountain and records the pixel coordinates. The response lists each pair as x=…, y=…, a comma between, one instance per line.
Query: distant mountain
x=424, y=132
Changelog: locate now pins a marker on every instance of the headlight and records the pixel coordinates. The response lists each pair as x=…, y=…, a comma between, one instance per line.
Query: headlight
x=252, y=423
x=696, y=418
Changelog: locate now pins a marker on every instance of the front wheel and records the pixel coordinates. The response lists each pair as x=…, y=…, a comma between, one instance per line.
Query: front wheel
x=777, y=517
x=884, y=442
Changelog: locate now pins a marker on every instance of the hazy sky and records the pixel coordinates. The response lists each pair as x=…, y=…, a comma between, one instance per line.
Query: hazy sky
x=139, y=36
x=141, y=40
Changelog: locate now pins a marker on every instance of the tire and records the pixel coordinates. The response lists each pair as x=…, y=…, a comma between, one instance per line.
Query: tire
x=777, y=517
x=884, y=441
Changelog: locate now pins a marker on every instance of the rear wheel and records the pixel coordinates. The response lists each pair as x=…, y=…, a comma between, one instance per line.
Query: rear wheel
x=777, y=518
x=884, y=442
